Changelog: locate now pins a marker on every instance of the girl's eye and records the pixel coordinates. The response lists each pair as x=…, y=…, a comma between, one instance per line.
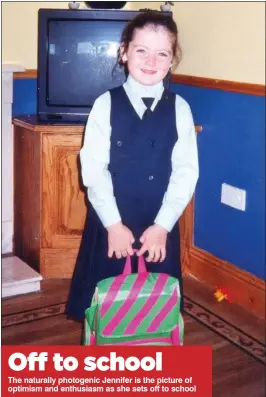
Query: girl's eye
x=163, y=54
x=140, y=50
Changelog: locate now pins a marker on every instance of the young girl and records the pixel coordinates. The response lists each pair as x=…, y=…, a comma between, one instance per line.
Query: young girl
x=139, y=162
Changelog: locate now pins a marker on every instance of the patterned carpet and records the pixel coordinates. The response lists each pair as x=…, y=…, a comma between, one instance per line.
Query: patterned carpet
x=217, y=324
x=233, y=334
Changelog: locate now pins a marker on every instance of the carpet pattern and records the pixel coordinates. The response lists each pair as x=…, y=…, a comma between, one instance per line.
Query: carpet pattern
x=215, y=323
x=233, y=334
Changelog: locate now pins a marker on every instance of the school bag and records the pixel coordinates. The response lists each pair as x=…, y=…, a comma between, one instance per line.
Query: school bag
x=135, y=309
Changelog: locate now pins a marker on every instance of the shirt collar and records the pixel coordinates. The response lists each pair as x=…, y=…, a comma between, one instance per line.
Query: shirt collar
x=136, y=88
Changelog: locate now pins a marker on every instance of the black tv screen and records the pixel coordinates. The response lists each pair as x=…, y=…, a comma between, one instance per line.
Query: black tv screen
x=81, y=61
x=77, y=54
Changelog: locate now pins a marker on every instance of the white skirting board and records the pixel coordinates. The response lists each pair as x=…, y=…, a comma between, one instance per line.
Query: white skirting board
x=7, y=236
x=18, y=278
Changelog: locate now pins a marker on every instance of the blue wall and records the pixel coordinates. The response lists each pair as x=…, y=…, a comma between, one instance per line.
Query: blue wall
x=231, y=150
x=25, y=97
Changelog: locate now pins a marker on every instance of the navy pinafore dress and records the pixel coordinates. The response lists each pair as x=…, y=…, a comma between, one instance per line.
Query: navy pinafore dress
x=140, y=167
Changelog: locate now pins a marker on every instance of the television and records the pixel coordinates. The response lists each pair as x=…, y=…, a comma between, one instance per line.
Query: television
x=77, y=55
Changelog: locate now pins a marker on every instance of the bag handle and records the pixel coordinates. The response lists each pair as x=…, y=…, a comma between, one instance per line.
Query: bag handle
x=141, y=265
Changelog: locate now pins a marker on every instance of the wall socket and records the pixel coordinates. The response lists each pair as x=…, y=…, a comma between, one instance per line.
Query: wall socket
x=234, y=197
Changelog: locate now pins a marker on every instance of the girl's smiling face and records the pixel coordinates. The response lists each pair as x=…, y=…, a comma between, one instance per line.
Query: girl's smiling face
x=149, y=55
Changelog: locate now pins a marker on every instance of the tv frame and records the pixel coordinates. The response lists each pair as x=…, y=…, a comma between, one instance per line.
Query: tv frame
x=62, y=114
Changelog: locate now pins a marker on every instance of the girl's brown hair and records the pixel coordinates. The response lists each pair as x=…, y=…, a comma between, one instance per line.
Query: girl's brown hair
x=155, y=19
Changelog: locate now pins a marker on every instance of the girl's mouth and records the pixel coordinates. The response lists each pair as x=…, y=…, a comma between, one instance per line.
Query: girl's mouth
x=146, y=71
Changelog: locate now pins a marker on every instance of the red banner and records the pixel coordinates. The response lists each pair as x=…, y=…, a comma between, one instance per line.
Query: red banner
x=76, y=370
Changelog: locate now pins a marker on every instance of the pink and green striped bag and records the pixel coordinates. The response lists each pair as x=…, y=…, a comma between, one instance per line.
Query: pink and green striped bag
x=135, y=309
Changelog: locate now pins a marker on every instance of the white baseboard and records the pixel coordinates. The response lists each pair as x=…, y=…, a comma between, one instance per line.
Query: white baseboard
x=18, y=278
x=19, y=289
x=7, y=237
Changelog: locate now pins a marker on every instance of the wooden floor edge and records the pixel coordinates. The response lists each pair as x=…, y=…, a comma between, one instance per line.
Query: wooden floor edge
x=246, y=289
x=224, y=85
x=28, y=74
x=203, y=82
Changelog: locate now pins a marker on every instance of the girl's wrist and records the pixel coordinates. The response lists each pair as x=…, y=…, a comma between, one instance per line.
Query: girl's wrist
x=114, y=226
x=161, y=228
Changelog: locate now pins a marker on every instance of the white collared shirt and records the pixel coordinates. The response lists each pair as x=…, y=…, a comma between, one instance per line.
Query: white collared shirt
x=95, y=157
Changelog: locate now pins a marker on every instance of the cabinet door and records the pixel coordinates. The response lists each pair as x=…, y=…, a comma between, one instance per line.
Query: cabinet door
x=63, y=196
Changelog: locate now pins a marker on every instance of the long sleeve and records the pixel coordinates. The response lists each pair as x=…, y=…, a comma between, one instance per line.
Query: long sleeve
x=185, y=169
x=95, y=157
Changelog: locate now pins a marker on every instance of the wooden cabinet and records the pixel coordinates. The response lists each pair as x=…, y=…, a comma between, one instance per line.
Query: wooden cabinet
x=49, y=199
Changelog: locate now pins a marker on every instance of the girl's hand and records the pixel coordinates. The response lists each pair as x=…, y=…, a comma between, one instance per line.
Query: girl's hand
x=154, y=241
x=120, y=240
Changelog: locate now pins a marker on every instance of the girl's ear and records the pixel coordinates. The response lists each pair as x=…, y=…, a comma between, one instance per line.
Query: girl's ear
x=124, y=58
x=123, y=54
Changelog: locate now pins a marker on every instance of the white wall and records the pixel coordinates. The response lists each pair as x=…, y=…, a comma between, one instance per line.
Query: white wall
x=20, y=29
x=223, y=40
x=7, y=157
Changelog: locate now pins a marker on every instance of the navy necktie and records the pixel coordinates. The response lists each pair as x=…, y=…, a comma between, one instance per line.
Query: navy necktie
x=148, y=103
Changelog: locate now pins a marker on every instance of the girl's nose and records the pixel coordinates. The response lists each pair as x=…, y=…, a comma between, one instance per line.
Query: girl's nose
x=151, y=60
